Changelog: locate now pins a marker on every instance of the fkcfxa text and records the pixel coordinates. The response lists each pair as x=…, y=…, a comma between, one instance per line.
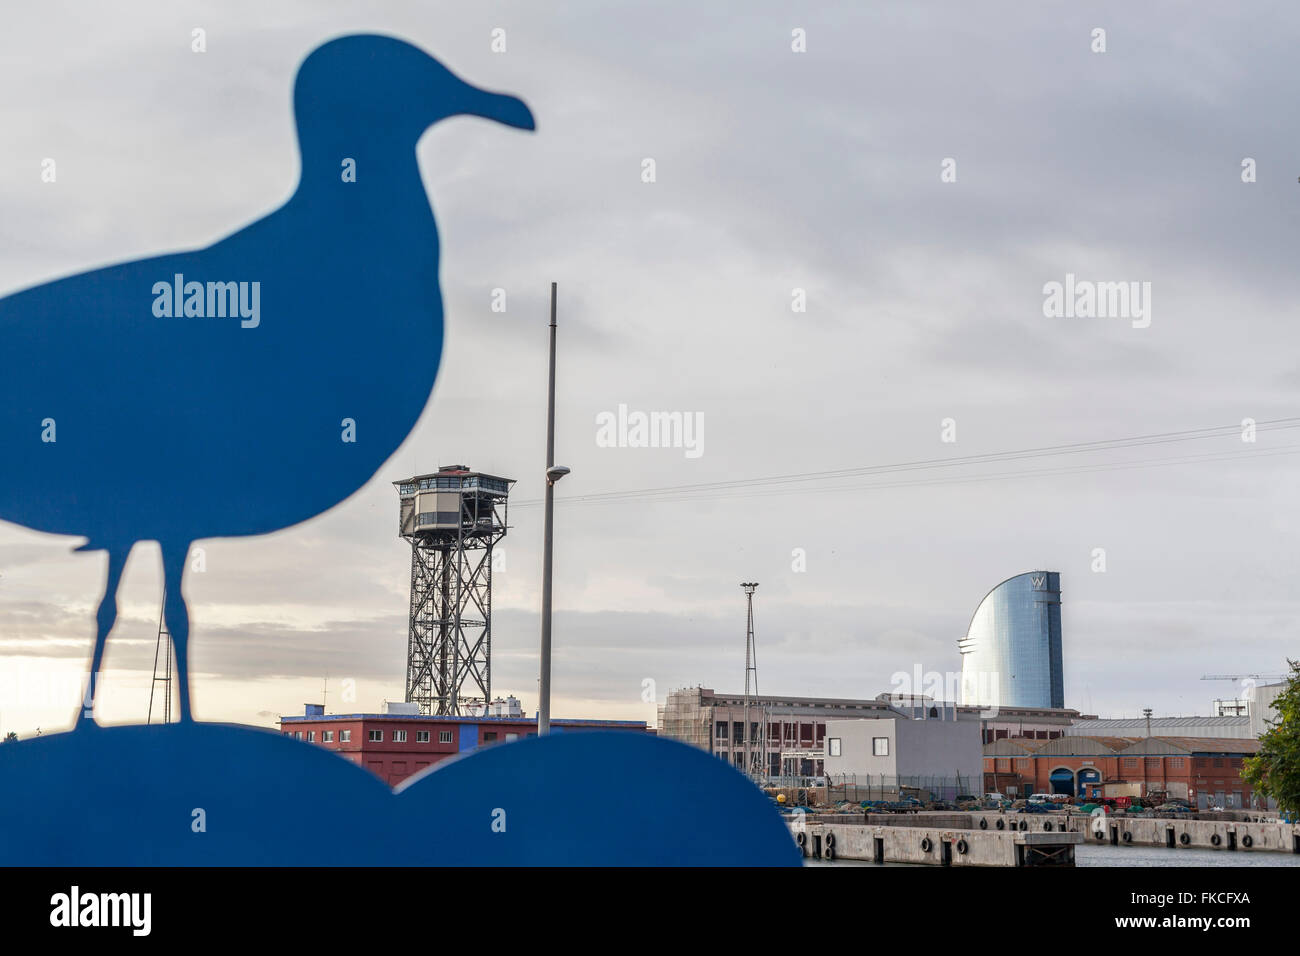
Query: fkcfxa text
x=209, y=300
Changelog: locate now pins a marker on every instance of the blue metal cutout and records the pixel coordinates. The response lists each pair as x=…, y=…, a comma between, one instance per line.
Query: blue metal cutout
x=248, y=386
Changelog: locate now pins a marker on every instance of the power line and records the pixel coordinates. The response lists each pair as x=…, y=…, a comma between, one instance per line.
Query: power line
x=967, y=479
x=698, y=490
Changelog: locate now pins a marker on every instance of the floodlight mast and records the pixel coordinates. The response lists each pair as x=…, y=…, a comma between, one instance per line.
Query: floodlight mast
x=755, y=761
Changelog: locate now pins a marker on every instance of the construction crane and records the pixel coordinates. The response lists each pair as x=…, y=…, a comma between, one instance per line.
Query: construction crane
x=1235, y=677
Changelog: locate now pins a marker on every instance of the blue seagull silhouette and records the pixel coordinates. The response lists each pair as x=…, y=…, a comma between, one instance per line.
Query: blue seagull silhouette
x=252, y=384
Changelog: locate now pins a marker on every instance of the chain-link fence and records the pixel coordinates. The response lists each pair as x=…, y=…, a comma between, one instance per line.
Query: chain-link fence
x=856, y=788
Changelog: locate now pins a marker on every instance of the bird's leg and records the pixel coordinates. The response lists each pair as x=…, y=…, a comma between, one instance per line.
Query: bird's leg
x=105, y=617
x=178, y=620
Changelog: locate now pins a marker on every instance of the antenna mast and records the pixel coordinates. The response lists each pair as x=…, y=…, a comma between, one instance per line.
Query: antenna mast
x=164, y=638
x=755, y=758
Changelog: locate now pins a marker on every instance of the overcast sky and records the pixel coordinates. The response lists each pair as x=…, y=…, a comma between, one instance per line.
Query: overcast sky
x=774, y=171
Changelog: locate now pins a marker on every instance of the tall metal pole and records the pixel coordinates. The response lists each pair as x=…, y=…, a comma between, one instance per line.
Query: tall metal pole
x=544, y=688
x=751, y=670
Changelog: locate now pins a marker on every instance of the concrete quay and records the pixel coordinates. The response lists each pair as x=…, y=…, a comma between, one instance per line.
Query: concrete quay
x=935, y=845
x=1173, y=833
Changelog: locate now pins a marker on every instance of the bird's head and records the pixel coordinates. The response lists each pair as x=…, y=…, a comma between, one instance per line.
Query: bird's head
x=382, y=86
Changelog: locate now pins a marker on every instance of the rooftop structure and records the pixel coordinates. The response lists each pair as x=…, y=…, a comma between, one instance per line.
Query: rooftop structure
x=1247, y=717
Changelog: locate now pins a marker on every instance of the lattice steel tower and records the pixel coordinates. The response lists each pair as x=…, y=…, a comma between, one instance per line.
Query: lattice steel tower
x=452, y=519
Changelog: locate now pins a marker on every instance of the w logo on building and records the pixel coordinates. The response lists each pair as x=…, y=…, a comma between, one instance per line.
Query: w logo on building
x=1039, y=581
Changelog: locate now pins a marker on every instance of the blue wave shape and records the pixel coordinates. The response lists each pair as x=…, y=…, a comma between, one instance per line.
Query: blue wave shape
x=133, y=796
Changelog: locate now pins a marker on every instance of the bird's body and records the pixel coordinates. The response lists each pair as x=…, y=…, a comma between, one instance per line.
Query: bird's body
x=200, y=426
x=254, y=383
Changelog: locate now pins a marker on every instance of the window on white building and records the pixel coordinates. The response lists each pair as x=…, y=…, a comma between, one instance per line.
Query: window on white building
x=832, y=746
x=880, y=746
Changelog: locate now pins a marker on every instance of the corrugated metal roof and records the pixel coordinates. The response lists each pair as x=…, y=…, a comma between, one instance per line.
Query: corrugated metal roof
x=1084, y=728
x=1008, y=747
x=1194, y=745
x=1084, y=746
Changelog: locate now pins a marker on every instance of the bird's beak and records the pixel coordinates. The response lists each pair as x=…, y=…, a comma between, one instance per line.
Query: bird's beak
x=498, y=106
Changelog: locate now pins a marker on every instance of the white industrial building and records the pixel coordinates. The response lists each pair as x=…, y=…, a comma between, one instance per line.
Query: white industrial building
x=908, y=749
x=791, y=730
x=1260, y=701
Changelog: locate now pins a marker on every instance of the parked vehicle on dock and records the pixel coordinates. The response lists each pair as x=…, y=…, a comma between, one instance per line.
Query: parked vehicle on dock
x=906, y=805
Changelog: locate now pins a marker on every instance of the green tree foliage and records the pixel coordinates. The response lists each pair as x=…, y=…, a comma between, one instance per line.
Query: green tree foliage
x=1275, y=770
x=8, y=737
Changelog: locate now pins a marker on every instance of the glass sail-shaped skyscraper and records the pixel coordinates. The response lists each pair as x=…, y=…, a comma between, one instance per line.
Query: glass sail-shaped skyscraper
x=1011, y=654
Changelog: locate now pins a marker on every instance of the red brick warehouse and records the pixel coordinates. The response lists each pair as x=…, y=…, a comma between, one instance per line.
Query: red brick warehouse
x=1201, y=770
x=395, y=746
